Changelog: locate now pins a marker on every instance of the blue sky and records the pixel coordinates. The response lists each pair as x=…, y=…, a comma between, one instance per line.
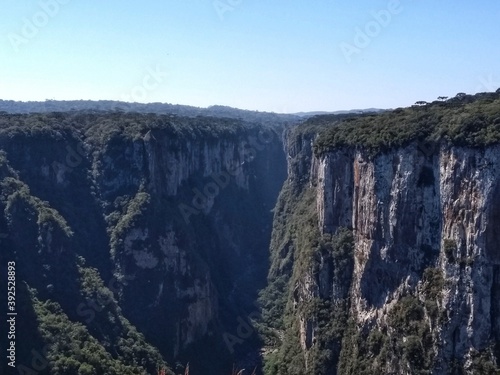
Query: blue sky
x=282, y=56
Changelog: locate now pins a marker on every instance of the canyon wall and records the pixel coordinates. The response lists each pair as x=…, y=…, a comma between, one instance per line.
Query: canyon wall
x=416, y=291
x=170, y=218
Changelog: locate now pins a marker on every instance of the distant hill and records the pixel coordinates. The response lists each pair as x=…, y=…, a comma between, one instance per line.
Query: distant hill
x=351, y=111
x=11, y=106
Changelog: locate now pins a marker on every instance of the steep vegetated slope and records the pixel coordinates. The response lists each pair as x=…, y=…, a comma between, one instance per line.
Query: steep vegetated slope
x=141, y=242
x=139, y=239
x=385, y=247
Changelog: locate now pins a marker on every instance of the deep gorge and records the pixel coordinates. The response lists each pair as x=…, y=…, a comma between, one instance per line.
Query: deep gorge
x=343, y=244
x=163, y=228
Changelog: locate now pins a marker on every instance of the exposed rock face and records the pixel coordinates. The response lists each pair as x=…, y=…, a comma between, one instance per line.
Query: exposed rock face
x=178, y=224
x=180, y=186
x=166, y=262
x=425, y=224
x=381, y=263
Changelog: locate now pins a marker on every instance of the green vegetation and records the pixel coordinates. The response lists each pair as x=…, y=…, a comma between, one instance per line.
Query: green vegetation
x=71, y=348
x=16, y=195
x=450, y=249
x=78, y=188
x=463, y=121
x=134, y=210
x=293, y=226
x=484, y=363
x=412, y=333
x=341, y=249
x=433, y=286
x=273, y=300
x=363, y=353
x=406, y=337
x=434, y=283
x=89, y=327
x=294, y=241
x=107, y=128
x=146, y=108
x=405, y=341
x=332, y=318
x=454, y=256
x=127, y=343
x=299, y=249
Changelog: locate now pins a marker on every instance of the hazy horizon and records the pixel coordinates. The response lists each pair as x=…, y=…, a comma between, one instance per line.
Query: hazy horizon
x=284, y=57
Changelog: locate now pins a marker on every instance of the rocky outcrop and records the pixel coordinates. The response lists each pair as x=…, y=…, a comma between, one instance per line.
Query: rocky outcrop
x=405, y=207
x=174, y=213
x=182, y=189
x=424, y=280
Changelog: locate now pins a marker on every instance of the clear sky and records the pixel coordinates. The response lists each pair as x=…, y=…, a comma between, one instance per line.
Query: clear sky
x=273, y=55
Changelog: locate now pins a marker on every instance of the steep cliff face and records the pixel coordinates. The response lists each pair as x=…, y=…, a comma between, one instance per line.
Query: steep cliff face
x=394, y=265
x=200, y=241
x=141, y=240
x=174, y=214
x=411, y=212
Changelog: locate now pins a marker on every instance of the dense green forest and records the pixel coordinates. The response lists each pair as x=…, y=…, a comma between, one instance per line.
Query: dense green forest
x=84, y=191
x=218, y=111
x=466, y=120
x=298, y=249
x=76, y=186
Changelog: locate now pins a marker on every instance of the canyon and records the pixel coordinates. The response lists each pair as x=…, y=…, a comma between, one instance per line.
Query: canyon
x=339, y=244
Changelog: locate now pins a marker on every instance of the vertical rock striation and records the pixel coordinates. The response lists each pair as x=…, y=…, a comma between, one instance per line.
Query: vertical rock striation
x=422, y=294
x=174, y=213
